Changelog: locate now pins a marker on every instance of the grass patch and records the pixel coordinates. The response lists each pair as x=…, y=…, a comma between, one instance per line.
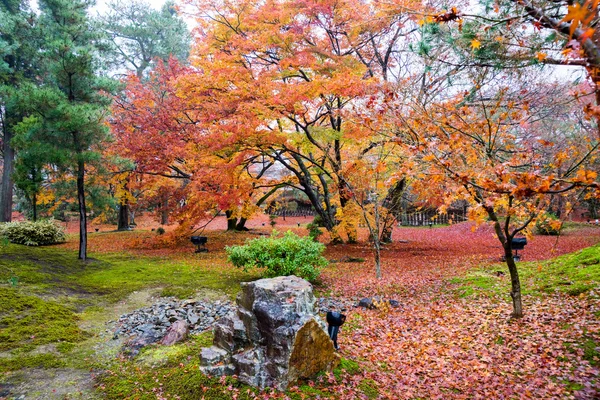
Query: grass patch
x=573, y=274
x=52, y=271
x=28, y=321
x=46, y=360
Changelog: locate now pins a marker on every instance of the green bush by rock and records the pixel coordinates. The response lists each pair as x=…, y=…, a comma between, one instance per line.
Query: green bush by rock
x=29, y=233
x=287, y=255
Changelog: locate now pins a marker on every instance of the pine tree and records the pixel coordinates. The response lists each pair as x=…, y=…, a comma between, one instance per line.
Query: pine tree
x=69, y=109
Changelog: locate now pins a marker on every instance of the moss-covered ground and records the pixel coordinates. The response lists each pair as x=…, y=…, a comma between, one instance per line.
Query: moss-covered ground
x=56, y=313
x=572, y=274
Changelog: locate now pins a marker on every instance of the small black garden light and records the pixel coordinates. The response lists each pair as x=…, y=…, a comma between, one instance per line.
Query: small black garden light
x=518, y=244
x=200, y=242
x=334, y=321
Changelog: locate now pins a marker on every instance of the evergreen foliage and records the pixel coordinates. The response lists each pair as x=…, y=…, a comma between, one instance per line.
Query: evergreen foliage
x=287, y=255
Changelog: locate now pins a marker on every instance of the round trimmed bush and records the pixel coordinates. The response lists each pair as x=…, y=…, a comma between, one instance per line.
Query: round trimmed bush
x=29, y=233
x=287, y=255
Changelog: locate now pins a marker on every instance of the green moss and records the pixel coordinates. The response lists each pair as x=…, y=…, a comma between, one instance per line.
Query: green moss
x=112, y=276
x=46, y=360
x=348, y=366
x=159, y=355
x=179, y=292
x=573, y=274
x=65, y=347
x=311, y=391
x=590, y=351
x=30, y=321
x=369, y=388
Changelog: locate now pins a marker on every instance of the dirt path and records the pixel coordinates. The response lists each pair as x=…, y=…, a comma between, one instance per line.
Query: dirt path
x=77, y=382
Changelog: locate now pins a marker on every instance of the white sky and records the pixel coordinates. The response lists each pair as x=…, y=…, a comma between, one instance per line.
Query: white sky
x=101, y=5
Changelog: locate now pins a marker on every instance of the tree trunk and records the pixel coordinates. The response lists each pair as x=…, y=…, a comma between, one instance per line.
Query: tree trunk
x=6, y=189
x=123, y=221
x=231, y=222
x=82, y=210
x=376, y=242
x=164, y=213
x=34, y=205
x=515, y=292
x=241, y=225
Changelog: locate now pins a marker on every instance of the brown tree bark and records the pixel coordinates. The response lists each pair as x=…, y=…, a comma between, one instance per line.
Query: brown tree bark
x=515, y=283
x=6, y=188
x=82, y=210
x=231, y=222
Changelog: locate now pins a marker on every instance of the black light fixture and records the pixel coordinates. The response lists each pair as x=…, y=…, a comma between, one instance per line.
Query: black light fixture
x=200, y=242
x=334, y=321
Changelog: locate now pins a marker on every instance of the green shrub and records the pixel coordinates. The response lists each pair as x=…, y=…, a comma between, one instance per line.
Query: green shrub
x=318, y=221
x=548, y=224
x=287, y=255
x=160, y=230
x=314, y=231
x=37, y=233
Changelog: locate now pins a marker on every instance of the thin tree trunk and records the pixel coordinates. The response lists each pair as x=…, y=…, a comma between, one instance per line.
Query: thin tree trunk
x=6, y=189
x=164, y=214
x=515, y=292
x=82, y=210
x=34, y=205
x=506, y=240
x=376, y=242
x=123, y=221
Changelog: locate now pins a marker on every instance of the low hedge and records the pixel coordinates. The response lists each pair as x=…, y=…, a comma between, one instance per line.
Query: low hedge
x=29, y=233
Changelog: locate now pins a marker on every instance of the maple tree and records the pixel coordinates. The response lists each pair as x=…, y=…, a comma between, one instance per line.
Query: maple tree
x=156, y=127
x=292, y=74
x=138, y=36
x=485, y=151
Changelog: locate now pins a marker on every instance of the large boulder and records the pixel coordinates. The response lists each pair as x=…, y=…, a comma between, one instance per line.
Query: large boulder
x=273, y=338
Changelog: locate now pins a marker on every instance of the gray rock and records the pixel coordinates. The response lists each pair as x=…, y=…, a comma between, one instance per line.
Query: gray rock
x=193, y=318
x=274, y=338
x=176, y=333
x=367, y=302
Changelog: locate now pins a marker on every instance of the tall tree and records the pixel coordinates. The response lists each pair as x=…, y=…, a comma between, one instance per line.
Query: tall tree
x=70, y=107
x=139, y=35
x=18, y=54
x=491, y=151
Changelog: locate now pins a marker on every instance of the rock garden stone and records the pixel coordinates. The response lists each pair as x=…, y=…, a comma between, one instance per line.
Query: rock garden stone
x=176, y=333
x=274, y=337
x=166, y=318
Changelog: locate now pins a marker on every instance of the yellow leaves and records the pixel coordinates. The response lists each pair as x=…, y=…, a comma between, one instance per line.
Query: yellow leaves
x=541, y=56
x=475, y=44
x=45, y=196
x=427, y=20
x=586, y=176
x=581, y=15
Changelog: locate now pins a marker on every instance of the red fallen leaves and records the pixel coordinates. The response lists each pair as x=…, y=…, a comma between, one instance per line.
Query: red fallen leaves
x=433, y=254
x=439, y=346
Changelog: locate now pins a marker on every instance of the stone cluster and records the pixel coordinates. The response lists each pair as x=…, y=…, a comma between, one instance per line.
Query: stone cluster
x=273, y=338
x=151, y=324
x=326, y=304
x=199, y=315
